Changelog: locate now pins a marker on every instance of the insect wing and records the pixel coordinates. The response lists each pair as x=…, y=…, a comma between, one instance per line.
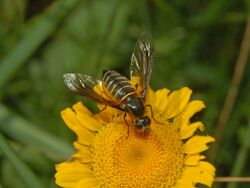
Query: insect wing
x=83, y=85
x=141, y=62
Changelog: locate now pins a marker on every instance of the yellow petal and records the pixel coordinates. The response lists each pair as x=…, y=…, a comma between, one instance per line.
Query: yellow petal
x=88, y=183
x=104, y=114
x=184, y=184
x=83, y=157
x=161, y=100
x=177, y=101
x=89, y=121
x=80, y=108
x=85, y=136
x=197, y=144
x=150, y=98
x=188, y=130
x=203, y=173
x=193, y=160
x=70, y=173
x=191, y=108
x=82, y=148
x=69, y=117
x=85, y=117
x=109, y=114
x=206, y=166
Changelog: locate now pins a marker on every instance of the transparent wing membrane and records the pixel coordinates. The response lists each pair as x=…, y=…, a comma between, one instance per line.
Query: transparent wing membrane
x=142, y=61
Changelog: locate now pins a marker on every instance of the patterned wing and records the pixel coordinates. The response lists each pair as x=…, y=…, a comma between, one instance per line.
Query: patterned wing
x=86, y=86
x=142, y=61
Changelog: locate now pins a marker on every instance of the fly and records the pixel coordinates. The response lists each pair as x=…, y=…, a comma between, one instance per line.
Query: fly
x=119, y=91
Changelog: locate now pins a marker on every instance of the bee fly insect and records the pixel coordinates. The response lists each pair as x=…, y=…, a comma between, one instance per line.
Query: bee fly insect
x=119, y=87
x=122, y=95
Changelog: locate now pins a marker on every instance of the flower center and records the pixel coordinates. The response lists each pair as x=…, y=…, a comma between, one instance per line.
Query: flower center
x=137, y=161
x=137, y=154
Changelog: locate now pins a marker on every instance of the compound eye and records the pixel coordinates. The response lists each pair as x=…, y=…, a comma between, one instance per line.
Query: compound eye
x=147, y=121
x=142, y=122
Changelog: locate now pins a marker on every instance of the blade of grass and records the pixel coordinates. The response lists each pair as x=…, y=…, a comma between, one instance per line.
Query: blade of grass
x=105, y=38
x=211, y=14
x=242, y=157
x=120, y=24
x=23, y=131
x=167, y=8
x=36, y=33
x=233, y=91
x=22, y=169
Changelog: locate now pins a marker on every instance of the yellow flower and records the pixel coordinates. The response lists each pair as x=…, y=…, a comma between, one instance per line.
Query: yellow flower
x=107, y=156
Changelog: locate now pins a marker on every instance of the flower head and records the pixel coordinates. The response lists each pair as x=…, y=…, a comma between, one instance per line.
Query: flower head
x=111, y=153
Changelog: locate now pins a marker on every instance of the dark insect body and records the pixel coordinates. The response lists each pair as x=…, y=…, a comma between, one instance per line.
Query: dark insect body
x=121, y=89
x=121, y=93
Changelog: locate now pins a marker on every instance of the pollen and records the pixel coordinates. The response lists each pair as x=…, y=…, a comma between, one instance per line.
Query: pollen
x=138, y=161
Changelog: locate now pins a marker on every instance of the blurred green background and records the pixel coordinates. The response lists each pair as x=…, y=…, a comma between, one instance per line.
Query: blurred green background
x=197, y=44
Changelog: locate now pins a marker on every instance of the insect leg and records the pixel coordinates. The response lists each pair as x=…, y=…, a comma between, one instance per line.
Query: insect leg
x=104, y=108
x=152, y=115
x=124, y=117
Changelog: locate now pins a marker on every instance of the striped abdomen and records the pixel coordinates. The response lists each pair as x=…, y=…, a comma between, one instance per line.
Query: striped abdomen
x=117, y=85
